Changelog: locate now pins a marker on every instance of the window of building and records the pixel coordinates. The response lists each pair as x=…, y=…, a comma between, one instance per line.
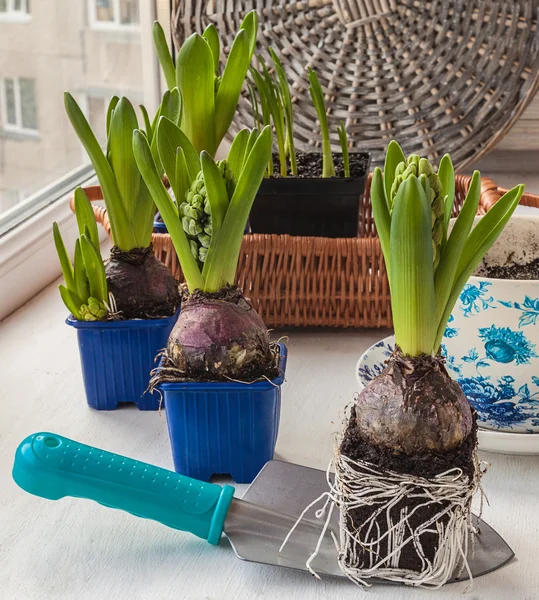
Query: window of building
x=13, y=8
x=18, y=104
x=114, y=13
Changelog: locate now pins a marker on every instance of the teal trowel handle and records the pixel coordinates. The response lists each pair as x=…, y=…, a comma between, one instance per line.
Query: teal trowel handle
x=53, y=467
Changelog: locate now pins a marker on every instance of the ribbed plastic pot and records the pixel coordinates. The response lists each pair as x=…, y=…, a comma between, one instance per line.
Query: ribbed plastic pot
x=311, y=206
x=117, y=357
x=220, y=428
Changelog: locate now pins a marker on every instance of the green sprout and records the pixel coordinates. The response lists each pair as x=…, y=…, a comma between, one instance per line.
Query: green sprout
x=427, y=266
x=272, y=106
x=317, y=96
x=209, y=97
x=85, y=292
x=229, y=203
x=129, y=205
x=343, y=140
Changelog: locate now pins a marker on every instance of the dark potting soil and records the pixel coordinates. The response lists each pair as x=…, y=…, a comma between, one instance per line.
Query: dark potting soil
x=310, y=165
x=228, y=293
x=426, y=465
x=142, y=286
x=527, y=272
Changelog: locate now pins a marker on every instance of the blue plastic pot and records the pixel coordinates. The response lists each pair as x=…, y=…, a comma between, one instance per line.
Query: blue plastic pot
x=117, y=357
x=223, y=428
x=158, y=224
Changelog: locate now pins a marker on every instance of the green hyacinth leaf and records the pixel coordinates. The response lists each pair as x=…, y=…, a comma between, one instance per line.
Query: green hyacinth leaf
x=222, y=259
x=95, y=269
x=147, y=123
x=121, y=229
x=164, y=55
x=63, y=257
x=480, y=240
x=229, y=90
x=110, y=109
x=212, y=37
x=412, y=276
x=165, y=205
x=215, y=190
x=81, y=280
x=394, y=156
x=446, y=173
x=195, y=81
x=72, y=301
x=380, y=210
x=237, y=152
x=123, y=123
x=169, y=138
x=447, y=269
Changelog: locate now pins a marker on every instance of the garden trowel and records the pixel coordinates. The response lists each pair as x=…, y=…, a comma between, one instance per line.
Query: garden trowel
x=53, y=467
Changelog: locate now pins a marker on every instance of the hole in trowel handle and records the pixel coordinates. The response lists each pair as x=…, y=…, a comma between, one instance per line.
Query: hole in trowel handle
x=51, y=442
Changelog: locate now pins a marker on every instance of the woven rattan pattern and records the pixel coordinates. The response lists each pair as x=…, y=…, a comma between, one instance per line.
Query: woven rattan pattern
x=439, y=76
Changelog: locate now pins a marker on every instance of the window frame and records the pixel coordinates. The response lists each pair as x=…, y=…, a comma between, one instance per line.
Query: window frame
x=11, y=14
x=18, y=127
x=114, y=25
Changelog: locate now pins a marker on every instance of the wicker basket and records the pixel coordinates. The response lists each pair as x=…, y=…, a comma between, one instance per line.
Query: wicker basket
x=450, y=76
x=309, y=281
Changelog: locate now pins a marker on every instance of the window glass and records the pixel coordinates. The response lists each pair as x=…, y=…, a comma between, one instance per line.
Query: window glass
x=104, y=10
x=9, y=93
x=38, y=146
x=3, y=5
x=97, y=117
x=128, y=12
x=8, y=199
x=28, y=104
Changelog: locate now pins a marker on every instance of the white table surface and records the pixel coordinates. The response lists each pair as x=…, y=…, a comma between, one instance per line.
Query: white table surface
x=76, y=549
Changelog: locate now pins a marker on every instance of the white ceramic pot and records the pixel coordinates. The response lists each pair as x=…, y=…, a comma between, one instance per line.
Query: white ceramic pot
x=492, y=339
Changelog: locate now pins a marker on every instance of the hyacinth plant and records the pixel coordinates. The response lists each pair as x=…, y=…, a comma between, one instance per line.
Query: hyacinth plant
x=427, y=268
x=209, y=95
x=141, y=285
x=85, y=292
x=273, y=93
x=413, y=424
x=271, y=102
x=317, y=96
x=218, y=335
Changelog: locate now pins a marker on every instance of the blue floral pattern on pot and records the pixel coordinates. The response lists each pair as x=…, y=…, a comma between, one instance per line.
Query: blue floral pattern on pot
x=492, y=347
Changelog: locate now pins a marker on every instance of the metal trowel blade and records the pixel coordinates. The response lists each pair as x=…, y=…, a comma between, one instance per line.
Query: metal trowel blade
x=258, y=524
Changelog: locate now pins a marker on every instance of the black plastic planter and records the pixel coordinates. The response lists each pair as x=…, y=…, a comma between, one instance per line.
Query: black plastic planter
x=310, y=206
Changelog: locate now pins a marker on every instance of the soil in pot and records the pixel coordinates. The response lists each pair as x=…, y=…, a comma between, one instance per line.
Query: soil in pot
x=525, y=272
x=309, y=165
x=515, y=255
x=143, y=288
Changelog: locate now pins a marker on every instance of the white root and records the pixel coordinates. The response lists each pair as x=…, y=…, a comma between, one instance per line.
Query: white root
x=359, y=483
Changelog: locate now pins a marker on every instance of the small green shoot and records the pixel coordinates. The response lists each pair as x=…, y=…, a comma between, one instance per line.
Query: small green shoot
x=317, y=96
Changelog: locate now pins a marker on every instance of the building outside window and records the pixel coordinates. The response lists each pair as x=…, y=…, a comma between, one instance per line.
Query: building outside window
x=18, y=100
x=13, y=8
x=114, y=13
